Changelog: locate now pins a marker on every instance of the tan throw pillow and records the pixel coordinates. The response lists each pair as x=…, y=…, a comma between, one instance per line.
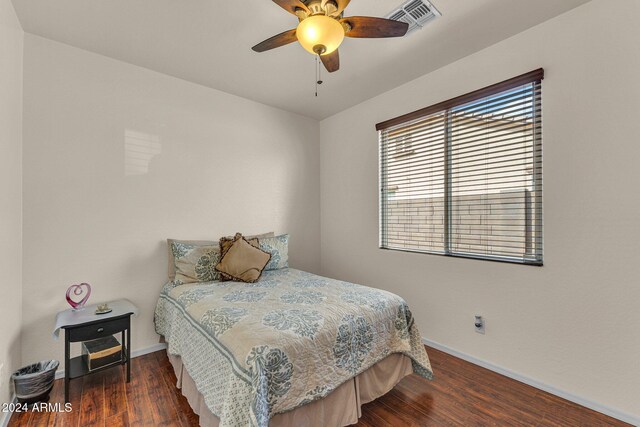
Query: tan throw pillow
x=171, y=255
x=243, y=262
x=226, y=242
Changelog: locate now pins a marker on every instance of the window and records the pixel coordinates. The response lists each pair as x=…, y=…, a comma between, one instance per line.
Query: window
x=464, y=177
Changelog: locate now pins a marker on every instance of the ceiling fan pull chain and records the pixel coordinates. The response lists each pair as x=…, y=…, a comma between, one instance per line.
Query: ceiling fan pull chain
x=318, y=75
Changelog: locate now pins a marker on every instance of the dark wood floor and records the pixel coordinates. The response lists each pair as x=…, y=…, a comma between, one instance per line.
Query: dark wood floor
x=462, y=394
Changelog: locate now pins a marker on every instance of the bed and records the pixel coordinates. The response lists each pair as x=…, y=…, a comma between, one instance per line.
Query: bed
x=292, y=349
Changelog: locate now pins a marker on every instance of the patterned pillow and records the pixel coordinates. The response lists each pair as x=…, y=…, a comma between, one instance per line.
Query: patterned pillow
x=195, y=263
x=182, y=244
x=243, y=262
x=278, y=247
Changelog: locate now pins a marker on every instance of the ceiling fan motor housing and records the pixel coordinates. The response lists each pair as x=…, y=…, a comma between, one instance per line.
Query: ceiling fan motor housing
x=319, y=7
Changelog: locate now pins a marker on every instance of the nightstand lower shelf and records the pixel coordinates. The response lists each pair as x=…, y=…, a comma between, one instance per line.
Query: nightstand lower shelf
x=78, y=367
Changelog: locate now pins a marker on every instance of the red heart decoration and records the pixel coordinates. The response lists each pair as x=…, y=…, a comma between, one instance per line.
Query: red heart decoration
x=82, y=288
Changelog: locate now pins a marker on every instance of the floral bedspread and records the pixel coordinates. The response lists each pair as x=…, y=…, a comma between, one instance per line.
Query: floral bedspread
x=258, y=349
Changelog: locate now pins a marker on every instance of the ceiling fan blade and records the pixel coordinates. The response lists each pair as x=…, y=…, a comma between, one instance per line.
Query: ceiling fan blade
x=331, y=61
x=276, y=41
x=291, y=5
x=342, y=4
x=370, y=27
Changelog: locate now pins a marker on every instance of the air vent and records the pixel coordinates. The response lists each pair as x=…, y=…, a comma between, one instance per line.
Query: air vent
x=416, y=13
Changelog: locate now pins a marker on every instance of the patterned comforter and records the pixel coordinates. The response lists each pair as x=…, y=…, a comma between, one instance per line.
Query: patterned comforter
x=258, y=349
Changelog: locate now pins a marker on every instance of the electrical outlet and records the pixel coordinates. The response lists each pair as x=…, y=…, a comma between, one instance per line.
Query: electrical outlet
x=479, y=324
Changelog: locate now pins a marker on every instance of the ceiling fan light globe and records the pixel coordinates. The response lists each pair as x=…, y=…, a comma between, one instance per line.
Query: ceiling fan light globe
x=320, y=30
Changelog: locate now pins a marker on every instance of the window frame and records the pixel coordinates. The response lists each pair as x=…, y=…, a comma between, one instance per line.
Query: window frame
x=533, y=77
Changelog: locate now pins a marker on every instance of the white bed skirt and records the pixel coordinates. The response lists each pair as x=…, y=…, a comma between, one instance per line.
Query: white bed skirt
x=340, y=408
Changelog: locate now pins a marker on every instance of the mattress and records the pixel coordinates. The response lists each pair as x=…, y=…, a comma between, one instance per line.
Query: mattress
x=254, y=350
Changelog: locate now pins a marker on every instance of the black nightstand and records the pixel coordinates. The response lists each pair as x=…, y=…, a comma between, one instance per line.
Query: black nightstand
x=86, y=326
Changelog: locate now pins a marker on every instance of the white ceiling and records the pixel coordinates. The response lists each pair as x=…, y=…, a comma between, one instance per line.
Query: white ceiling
x=209, y=42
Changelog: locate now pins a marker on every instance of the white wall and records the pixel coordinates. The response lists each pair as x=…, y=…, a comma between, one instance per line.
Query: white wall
x=575, y=323
x=11, y=48
x=218, y=164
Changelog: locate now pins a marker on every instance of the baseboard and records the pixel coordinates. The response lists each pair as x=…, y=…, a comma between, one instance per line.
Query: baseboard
x=622, y=416
x=134, y=354
x=6, y=416
x=152, y=349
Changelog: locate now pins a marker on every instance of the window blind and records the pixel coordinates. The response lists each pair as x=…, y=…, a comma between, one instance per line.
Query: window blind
x=464, y=177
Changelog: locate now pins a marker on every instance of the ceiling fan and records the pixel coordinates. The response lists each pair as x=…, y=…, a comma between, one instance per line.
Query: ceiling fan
x=322, y=28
